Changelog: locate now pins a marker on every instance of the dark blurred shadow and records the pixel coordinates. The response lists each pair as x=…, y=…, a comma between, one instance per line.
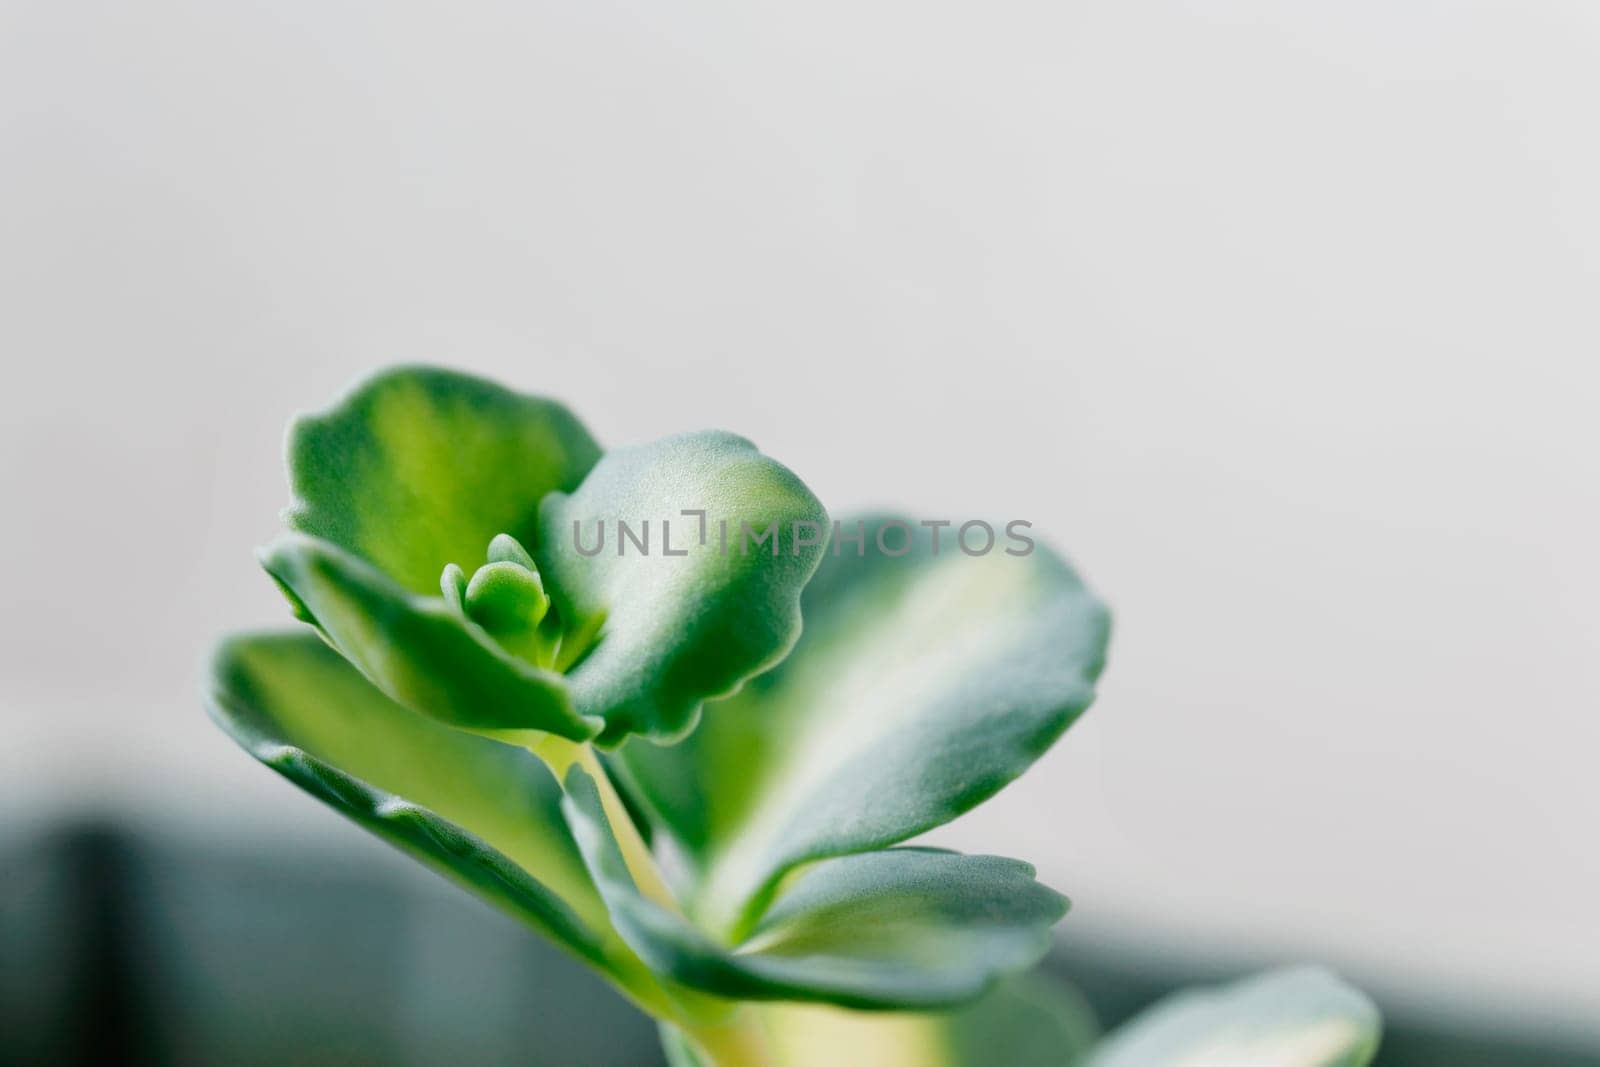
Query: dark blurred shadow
x=123, y=949
x=120, y=948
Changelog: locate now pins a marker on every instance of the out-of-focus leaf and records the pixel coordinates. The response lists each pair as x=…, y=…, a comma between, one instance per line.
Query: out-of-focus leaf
x=903, y=927
x=417, y=649
x=923, y=683
x=419, y=467
x=1295, y=1017
x=662, y=633
x=1027, y=1020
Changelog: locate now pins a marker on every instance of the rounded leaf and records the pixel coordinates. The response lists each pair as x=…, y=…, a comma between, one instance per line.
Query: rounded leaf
x=923, y=683
x=419, y=467
x=669, y=610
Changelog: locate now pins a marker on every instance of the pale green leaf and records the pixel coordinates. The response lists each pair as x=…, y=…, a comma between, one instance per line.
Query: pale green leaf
x=1295, y=1017
x=923, y=684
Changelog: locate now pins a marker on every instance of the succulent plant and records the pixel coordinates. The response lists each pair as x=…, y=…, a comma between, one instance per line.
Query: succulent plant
x=635, y=747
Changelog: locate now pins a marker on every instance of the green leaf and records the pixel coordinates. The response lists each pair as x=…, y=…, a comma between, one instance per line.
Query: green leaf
x=922, y=685
x=897, y=928
x=1294, y=1017
x=1027, y=1020
x=484, y=813
x=419, y=467
x=905, y=926
x=419, y=650
x=661, y=633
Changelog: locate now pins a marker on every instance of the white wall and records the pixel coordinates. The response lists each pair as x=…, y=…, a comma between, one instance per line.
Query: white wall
x=1281, y=318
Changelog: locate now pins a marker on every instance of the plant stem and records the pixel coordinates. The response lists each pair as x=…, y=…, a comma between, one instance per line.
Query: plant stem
x=723, y=1033
x=560, y=754
x=740, y=1040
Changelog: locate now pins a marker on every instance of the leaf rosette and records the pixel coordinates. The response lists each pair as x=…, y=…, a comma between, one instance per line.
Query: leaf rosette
x=640, y=753
x=422, y=477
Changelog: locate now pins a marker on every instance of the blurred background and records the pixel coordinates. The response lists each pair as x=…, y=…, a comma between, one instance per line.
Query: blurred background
x=1280, y=319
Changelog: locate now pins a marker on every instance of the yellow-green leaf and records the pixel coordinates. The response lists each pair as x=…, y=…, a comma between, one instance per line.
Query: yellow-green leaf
x=485, y=814
x=418, y=467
